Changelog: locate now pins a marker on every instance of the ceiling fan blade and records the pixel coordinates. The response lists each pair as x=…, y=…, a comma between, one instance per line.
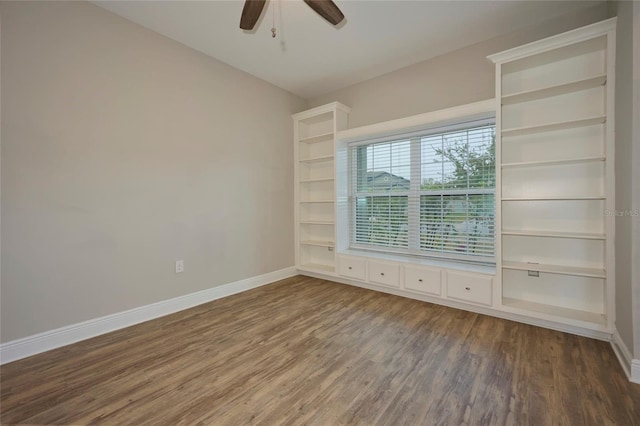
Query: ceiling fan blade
x=250, y=13
x=327, y=9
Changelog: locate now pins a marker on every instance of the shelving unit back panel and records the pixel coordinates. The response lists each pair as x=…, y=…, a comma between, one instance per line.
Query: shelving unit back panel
x=313, y=150
x=564, y=180
x=316, y=255
x=319, y=170
x=565, y=107
x=563, y=291
x=581, y=216
x=321, y=212
x=558, y=66
x=309, y=232
x=315, y=126
x=316, y=191
x=556, y=145
x=554, y=251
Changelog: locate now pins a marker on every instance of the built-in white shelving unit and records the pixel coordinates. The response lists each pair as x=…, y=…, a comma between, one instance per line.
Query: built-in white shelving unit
x=554, y=150
x=315, y=215
x=554, y=111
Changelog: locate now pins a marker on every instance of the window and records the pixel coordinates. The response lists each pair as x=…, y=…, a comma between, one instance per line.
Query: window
x=429, y=194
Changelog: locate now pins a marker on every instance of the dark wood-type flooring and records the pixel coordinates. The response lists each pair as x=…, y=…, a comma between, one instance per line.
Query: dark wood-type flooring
x=309, y=351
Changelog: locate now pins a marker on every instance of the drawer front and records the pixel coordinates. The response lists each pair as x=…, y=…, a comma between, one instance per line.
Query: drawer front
x=384, y=273
x=470, y=287
x=352, y=267
x=422, y=280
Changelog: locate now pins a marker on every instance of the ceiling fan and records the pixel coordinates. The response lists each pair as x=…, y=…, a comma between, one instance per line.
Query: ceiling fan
x=325, y=8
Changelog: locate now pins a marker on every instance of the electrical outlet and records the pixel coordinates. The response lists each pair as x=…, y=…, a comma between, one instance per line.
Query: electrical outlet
x=179, y=266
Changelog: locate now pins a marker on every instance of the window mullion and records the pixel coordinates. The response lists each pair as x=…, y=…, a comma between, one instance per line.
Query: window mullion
x=414, y=195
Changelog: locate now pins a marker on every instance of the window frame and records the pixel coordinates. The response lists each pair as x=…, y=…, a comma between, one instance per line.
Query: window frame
x=414, y=194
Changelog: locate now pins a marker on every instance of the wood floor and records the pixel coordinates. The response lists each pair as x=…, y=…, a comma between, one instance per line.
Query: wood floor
x=309, y=351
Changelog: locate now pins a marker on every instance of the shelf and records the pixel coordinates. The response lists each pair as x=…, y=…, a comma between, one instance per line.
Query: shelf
x=311, y=118
x=555, y=269
x=576, y=235
x=317, y=138
x=555, y=90
x=554, y=126
x=553, y=162
x=315, y=267
x=317, y=243
x=317, y=159
x=317, y=222
x=553, y=198
x=316, y=201
x=555, y=311
x=316, y=180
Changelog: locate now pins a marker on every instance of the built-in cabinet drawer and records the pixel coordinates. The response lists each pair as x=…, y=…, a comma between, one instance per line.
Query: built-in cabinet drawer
x=352, y=267
x=463, y=286
x=384, y=273
x=473, y=288
x=422, y=280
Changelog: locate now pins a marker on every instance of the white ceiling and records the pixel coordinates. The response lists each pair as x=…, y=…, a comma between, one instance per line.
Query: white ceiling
x=309, y=57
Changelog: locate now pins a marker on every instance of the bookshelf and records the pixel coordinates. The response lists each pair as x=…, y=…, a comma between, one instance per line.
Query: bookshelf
x=314, y=150
x=554, y=155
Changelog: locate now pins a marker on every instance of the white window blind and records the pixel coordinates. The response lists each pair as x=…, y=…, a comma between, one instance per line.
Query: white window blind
x=429, y=194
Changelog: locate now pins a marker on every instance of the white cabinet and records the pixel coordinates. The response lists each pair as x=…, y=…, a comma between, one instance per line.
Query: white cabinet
x=352, y=267
x=554, y=155
x=472, y=288
x=385, y=273
x=422, y=280
x=314, y=150
x=413, y=279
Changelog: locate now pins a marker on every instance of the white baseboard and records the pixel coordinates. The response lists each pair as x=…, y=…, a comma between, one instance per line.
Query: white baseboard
x=630, y=365
x=42, y=342
x=635, y=371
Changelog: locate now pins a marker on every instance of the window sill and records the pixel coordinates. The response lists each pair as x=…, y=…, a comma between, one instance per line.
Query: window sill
x=437, y=263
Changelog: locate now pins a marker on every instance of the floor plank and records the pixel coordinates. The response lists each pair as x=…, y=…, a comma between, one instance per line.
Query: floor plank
x=310, y=351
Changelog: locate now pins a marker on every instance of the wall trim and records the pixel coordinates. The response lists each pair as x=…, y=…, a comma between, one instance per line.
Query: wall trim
x=635, y=371
x=630, y=365
x=52, y=339
x=553, y=42
x=440, y=118
x=321, y=110
x=622, y=352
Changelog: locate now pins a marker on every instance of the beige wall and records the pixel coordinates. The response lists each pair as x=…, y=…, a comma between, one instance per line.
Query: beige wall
x=624, y=167
x=636, y=177
x=456, y=78
x=122, y=152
